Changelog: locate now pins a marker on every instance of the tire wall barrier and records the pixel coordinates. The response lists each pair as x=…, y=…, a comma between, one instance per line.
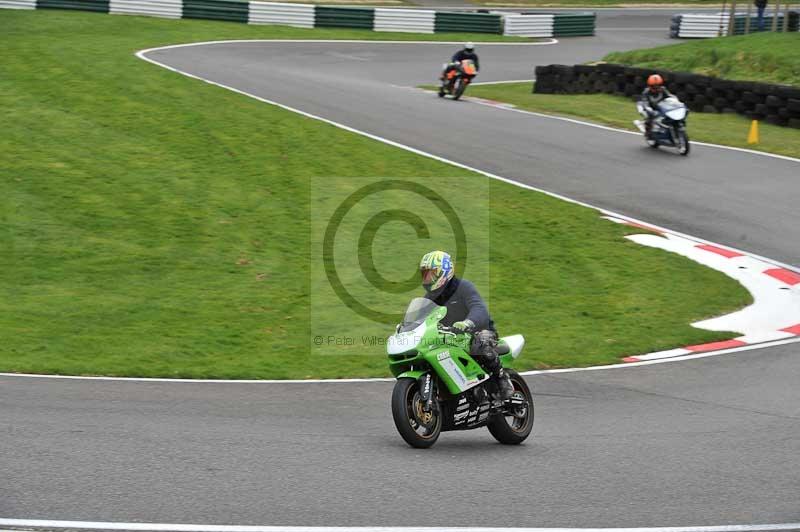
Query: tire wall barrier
x=298, y=15
x=468, y=23
x=150, y=8
x=574, y=24
x=230, y=10
x=775, y=104
x=99, y=6
x=17, y=4
x=698, y=26
x=407, y=20
x=344, y=17
x=529, y=25
x=319, y=16
x=548, y=25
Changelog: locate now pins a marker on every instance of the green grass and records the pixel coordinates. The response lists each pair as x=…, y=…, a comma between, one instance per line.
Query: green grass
x=766, y=57
x=618, y=111
x=154, y=225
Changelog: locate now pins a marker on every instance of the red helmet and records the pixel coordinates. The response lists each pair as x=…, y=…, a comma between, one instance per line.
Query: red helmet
x=655, y=82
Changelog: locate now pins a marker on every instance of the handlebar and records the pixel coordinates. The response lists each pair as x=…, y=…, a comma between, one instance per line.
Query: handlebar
x=453, y=330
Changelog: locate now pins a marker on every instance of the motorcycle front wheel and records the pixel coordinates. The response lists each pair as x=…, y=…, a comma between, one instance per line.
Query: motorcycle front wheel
x=514, y=427
x=418, y=428
x=683, y=142
x=459, y=88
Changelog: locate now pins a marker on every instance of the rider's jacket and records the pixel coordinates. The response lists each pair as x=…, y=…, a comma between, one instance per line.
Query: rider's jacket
x=463, y=302
x=463, y=54
x=652, y=99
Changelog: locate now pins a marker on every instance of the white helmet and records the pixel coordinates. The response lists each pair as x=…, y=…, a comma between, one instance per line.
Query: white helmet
x=469, y=46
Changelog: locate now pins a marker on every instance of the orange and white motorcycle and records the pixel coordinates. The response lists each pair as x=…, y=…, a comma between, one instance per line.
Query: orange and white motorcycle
x=456, y=77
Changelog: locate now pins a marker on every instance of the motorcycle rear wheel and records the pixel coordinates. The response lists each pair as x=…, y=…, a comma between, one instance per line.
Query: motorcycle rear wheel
x=514, y=429
x=418, y=428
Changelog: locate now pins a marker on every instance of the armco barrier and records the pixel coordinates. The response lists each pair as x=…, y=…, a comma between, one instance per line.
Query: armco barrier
x=311, y=16
x=574, y=24
x=299, y=15
x=468, y=23
x=528, y=25
x=407, y=20
x=741, y=21
x=776, y=104
x=694, y=25
x=344, y=17
x=150, y=8
x=230, y=10
x=100, y=6
x=17, y=4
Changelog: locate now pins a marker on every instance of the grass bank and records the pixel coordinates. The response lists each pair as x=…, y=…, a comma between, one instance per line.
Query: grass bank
x=766, y=57
x=154, y=225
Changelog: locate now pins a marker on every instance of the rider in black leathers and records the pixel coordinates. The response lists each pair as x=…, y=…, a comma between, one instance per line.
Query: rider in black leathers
x=467, y=311
x=468, y=52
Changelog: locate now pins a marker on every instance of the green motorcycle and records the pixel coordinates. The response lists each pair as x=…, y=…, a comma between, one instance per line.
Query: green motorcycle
x=441, y=387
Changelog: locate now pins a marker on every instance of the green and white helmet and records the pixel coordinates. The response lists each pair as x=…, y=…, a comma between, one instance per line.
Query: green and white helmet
x=436, y=268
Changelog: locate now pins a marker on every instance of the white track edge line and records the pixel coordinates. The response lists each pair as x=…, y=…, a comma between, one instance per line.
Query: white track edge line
x=502, y=82
x=166, y=527
x=548, y=42
x=690, y=356
x=141, y=54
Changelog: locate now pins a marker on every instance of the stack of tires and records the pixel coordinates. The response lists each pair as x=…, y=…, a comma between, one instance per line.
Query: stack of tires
x=775, y=104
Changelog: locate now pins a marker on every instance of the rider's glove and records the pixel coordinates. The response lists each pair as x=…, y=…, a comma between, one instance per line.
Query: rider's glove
x=463, y=325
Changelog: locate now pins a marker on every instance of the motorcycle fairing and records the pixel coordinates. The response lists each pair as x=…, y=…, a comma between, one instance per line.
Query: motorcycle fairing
x=457, y=369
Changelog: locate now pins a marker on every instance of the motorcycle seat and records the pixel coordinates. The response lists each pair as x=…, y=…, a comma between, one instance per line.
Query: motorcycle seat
x=503, y=349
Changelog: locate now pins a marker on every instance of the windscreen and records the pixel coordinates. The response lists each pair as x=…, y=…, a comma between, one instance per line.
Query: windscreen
x=670, y=104
x=419, y=309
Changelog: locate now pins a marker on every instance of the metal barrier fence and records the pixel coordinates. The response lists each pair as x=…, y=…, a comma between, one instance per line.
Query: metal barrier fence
x=316, y=16
x=298, y=15
x=406, y=20
x=150, y=8
x=706, y=25
x=17, y=4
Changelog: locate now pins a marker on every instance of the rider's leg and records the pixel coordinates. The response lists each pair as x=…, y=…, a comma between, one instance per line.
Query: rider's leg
x=484, y=349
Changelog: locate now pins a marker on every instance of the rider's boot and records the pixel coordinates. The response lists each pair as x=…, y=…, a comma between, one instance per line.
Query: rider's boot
x=504, y=385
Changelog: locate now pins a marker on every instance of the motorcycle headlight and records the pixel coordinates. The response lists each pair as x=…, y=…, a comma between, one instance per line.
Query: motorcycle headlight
x=677, y=114
x=400, y=343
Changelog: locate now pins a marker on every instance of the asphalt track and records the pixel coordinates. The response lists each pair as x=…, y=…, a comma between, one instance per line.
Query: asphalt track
x=702, y=442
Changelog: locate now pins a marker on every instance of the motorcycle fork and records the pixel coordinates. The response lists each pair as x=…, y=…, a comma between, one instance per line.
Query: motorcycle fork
x=427, y=392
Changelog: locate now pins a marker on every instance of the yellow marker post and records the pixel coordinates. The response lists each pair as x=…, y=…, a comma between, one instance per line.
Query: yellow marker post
x=752, y=137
